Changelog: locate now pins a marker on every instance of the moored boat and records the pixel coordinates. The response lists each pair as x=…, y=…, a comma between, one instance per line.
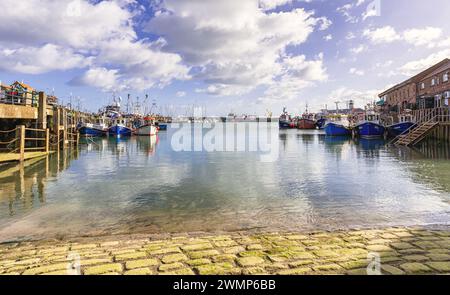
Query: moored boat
x=403, y=126
x=146, y=127
x=304, y=123
x=321, y=122
x=119, y=127
x=370, y=127
x=337, y=129
x=285, y=121
x=161, y=126
x=146, y=130
x=89, y=129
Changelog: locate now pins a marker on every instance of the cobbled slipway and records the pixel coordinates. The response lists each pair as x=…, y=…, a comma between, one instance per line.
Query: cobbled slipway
x=398, y=250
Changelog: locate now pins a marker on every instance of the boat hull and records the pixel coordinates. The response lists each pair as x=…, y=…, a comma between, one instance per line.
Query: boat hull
x=370, y=130
x=147, y=130
x=283, y=124
x=399, y=128
x=333, y=129
x=119, y=130
x=321, y=123
x=306, y=124
x=88, y=131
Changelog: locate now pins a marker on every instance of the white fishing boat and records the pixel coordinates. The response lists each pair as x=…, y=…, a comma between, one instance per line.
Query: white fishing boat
x=146, y=127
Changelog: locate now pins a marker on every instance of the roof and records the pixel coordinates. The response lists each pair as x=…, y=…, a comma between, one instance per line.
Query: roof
x=416, y=78
x=437, y=70
x=24, y=85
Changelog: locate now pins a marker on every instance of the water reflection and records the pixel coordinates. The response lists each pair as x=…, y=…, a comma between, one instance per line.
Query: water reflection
x=23, y=186
x=140, y=184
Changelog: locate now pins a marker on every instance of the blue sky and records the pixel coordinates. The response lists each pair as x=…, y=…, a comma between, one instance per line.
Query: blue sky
x=243, y=56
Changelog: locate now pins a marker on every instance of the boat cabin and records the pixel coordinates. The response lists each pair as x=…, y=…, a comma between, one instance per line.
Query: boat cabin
x=372, y=117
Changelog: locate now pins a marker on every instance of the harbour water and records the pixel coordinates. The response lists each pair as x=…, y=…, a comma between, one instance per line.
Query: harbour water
x=142, y=185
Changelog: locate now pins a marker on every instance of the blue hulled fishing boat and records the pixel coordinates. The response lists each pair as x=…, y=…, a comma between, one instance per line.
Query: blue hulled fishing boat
x=370, y=127
x=161, y=126
x=321, y=123
x=119, y=127
x=285, y=121
x=336, y=129
x=93, y=129
x=89, y=129
x=403, y=126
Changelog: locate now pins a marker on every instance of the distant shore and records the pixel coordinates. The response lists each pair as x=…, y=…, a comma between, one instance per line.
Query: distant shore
x=397, y=250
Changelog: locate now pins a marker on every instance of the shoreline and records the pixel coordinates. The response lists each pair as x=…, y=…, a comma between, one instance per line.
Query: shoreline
x=400, y=250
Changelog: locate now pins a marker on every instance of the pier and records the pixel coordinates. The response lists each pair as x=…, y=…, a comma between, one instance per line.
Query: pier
x=32, y=124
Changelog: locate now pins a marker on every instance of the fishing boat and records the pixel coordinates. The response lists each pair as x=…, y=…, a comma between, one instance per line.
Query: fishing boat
x=285, y=121
x=119, y=128
x=321, y=122
x=403, y=126
x=146, y=127
x=306, y=122
x=337, y=129
x=90, y=129
x=161, y=126
x=370, y=127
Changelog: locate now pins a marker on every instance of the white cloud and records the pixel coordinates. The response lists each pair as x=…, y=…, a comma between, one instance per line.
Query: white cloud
x=385, y=34
x=328, y=37
x=324, y=23
x=297, y=73
x=34, y=22
x=350, y=36
x=233, y=46
x=359, y=97
x=359, y=49
x=414, y=67
x=356, y=72
x=419, y=37
x=271, y=4
x=428, y=36
x=180, y=94
x=80, y=33
x=101, y=78
x=37, y=60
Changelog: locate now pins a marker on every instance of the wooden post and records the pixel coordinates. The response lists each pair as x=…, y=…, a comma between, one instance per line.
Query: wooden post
x=57, y=124
x=47, y=140
x=21, y=134
x=42, y=111
x=64, y=115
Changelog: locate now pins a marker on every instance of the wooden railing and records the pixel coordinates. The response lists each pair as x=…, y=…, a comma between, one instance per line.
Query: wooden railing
x=22, y=139
x=19, y=98
x=424, y=115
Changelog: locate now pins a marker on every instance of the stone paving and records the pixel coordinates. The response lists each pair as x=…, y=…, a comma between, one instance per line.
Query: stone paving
x=400, y=251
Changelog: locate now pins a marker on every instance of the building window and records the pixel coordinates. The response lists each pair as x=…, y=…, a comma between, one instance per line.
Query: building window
x=433, y=82
x=445, y=77
x=422, y=86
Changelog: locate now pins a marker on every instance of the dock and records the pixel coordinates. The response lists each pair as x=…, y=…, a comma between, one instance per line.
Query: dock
x=32, y=124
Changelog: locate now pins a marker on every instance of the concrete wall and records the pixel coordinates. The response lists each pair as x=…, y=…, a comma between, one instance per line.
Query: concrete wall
x=8, y=111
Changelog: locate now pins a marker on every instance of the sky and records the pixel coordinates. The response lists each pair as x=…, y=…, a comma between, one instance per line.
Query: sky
x=241, y=56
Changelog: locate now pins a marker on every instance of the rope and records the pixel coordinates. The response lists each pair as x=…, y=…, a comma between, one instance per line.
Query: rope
x=8, y=142
x=8, y=131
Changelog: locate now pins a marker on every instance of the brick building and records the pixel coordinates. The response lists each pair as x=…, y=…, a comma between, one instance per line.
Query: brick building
x=406, y=95
x=434, y=88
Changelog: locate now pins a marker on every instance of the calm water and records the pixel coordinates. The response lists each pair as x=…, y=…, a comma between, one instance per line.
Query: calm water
x=141, y=185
